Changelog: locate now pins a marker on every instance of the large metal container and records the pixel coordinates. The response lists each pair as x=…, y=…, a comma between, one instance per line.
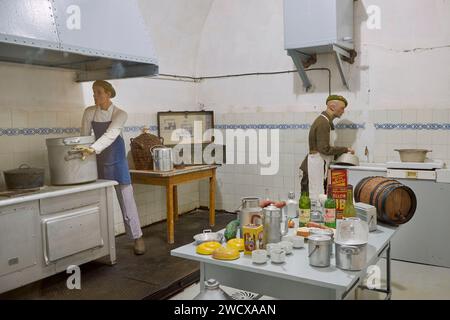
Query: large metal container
x=319, y=250
x=275, y=224
x=162, y=158
x=351, y=257
x=249, y=212
x=67, y=165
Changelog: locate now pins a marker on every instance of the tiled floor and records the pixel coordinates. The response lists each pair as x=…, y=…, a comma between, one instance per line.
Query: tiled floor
x=409, y=281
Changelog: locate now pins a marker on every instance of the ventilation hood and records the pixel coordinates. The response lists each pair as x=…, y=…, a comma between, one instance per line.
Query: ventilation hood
x=99, y=39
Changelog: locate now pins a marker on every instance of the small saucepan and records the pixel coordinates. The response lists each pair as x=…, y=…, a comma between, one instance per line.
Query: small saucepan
x=207, y=236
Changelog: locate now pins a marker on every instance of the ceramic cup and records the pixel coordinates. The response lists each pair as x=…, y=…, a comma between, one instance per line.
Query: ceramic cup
x=286, y=246
x=278, y=255
x=298, y=242
x=271, y=246
x=259, y=256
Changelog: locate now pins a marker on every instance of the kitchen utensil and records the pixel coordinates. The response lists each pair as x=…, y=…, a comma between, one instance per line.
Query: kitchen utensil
x=259, y=256
x=212, y=291
x=275, y=224
x=249, y=212
x=413, y=155
x=66, y=164
x=286, y=246
x=278, y=255
x=319, y=250
x=207, y=247
x=348, y=159
x=24, y=177
x=351, y=257
x=208, y=235
x=162, y=158
x=225, y=253
x=236, y=243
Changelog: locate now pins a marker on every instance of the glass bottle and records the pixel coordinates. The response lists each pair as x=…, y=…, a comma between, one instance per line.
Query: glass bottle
x=330, y=209
x=292, y=205
x=305, y=209
x=349, y=208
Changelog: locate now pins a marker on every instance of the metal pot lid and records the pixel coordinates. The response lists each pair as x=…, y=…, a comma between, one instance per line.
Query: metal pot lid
x=70, y=141
x=351, y=242
x=24, y=168
x=271, y=209
x=319, y=238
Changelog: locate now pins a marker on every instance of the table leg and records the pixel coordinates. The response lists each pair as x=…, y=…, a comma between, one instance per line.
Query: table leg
x=212, y=199
x=170, y=223
x=175, y=202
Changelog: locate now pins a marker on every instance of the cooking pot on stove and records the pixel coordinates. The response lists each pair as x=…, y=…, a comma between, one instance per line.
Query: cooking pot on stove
x=24, y=177
x=67, y=165
x=348, y=159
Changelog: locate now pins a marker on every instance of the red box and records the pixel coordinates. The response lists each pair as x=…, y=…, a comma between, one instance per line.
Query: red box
x=339, y=178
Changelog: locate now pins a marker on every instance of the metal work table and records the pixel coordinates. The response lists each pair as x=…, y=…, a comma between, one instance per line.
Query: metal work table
x=170, y=179
x=294, y=279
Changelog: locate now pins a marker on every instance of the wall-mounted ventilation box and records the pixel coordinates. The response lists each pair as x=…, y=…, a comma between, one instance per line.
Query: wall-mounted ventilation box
x=314, y=27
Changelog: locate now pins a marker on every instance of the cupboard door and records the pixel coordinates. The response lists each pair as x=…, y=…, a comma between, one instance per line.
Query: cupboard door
x=18, y=242
x=70, y=232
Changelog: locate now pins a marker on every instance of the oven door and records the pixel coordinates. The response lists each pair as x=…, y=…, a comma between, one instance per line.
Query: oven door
x=71, y=232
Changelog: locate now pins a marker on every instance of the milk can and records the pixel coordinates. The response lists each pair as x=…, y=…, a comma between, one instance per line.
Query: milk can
x=249, y=213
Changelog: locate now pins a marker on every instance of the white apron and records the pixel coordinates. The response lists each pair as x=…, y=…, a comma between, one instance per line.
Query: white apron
x=316, y=171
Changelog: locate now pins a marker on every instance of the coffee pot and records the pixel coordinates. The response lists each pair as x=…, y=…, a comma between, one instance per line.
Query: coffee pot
x=275, y=224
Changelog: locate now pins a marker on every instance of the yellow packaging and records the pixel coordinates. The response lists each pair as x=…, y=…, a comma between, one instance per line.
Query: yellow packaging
x=253, y=238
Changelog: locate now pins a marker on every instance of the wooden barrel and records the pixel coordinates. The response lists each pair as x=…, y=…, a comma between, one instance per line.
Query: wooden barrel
x=395, y=202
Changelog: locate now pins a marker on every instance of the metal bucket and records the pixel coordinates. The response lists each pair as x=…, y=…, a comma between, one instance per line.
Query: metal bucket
x=319, y=250
x=351, y=257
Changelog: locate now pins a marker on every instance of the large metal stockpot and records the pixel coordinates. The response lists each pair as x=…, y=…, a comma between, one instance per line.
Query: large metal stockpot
x=67, y=165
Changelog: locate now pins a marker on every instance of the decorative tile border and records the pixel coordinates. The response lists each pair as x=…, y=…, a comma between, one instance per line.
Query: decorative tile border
x=303, y=126
x=50, y=131
x=412, y=126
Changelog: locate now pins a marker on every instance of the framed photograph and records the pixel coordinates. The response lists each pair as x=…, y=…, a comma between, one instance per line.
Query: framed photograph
x=186, y=127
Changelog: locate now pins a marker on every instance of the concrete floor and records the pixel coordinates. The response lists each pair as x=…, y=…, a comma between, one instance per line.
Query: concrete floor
x=410, y=281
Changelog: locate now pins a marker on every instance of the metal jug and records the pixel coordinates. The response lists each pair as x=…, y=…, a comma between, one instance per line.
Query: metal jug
x=249, y=212
x=275, y=224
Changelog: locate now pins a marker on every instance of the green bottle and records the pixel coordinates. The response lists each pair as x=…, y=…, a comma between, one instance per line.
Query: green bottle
x=305, y=210
x=349, y=208
x=330, y=209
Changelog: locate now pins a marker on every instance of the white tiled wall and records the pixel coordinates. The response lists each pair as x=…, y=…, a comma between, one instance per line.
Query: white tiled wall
x=236, y=181
x=31, y=149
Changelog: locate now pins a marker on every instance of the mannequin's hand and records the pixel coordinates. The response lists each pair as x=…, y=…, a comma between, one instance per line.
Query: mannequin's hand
x=350, y=150
x=86, y=151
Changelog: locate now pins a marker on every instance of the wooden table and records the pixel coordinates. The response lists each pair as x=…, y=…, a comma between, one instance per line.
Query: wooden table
x=170, y=179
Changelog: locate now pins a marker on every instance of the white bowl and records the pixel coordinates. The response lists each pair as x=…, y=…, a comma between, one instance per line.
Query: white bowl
x=298, y=242
x=259, y=256
x=278, y=255
x=286, y=246
x=271, y=246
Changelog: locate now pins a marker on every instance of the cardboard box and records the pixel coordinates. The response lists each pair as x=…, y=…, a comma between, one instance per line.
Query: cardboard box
x=253, y=238
x=339, y=182
x=339, y=177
